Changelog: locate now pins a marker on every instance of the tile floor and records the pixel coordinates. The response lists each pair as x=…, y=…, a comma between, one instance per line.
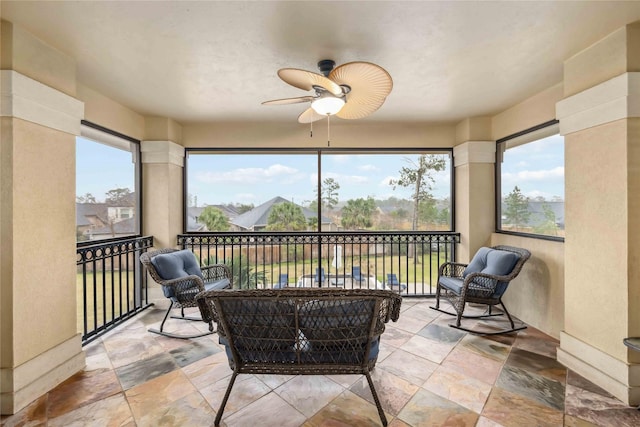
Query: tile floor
x=427, y=374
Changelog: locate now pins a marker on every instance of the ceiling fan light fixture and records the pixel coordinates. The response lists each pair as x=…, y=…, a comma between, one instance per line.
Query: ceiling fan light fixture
x=327, y=105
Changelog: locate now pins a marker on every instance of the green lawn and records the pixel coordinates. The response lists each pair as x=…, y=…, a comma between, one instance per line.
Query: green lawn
x=106, y=291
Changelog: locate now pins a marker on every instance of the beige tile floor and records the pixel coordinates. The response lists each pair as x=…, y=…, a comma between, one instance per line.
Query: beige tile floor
x=427, y=374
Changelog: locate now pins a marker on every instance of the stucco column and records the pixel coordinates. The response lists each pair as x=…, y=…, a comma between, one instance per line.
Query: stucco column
x=40, y=345
x=162, y=165
x=475, y=188
x=600, y=119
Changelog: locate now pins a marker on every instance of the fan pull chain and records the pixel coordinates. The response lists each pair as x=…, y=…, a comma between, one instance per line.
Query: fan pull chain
x=328, y=130
x=311, y=136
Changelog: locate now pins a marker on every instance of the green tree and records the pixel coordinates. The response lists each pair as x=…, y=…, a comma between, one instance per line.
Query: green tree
x=329, y=193
x=516, y=211
x=358, y=213
x=286, y=216
x=242, y=208
x=548, y=225
x=419, y=176
x=119, y=197
x=444, y=217
x=243, y=276
x=427, y=211
x=87, y=198
x=214, y=219
x=399, y=215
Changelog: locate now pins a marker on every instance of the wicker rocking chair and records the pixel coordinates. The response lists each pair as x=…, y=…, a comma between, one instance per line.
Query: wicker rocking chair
x=483, y=281
x=181, y=278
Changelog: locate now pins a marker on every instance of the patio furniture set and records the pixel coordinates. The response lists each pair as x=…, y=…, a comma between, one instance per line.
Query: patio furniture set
x=316, y=331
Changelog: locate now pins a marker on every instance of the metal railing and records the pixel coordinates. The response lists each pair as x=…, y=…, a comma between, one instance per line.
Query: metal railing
x=111, y=285
x=339, y=259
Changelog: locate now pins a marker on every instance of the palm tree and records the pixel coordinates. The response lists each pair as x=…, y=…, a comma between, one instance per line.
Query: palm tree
x=243, y=276
x=286, y=216
x=358, y=213
x=214, y=219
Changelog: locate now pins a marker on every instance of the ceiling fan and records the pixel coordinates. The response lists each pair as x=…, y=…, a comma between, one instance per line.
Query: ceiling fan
x=350, y=91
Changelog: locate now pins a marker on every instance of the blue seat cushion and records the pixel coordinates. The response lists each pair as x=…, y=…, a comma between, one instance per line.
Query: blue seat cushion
x=341, y=352
x=217, y=284
x=454, y=284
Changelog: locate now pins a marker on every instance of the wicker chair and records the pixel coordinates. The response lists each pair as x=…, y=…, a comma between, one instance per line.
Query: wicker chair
x=300, y=331
x=483, y=281
x=181, y=278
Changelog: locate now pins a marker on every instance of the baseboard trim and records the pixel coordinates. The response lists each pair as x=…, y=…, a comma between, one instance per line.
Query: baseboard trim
x=34, y=378
x=616, y=377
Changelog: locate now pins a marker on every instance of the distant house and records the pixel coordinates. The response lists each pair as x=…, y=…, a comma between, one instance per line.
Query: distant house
x=257, y=218
x=193, y=213
x=100, y=221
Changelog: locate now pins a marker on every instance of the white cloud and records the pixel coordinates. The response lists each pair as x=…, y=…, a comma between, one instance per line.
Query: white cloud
x=339, y=158
x=386, y=181
x=535, y=175
x=247, y=175
x=368, y=168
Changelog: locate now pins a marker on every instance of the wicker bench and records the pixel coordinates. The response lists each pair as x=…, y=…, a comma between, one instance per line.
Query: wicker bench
x=300, y=331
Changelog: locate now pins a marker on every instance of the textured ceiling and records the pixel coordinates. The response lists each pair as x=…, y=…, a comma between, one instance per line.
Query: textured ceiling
x=213, y=61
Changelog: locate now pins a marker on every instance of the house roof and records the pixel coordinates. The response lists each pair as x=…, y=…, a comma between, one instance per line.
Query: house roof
x=193, y=212
x=126, y=226
x=258, y=216
x=85, y=210
x=213, y=61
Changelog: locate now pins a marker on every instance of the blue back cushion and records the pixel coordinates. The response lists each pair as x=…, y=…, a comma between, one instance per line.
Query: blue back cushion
x=500, y=263
x=492, y=261
x=478, y=262
x=176, y=264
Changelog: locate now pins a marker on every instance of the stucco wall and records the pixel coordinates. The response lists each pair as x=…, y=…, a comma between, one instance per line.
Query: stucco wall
x=105, y=112
x=537, y=295
x=533, y=111
x=345, y=134
x=598, y=267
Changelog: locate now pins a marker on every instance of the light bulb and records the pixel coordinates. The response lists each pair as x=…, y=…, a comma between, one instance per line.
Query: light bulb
x=327, y=105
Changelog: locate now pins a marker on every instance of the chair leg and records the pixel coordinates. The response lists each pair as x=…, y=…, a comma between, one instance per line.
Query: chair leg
x=165, y=316
x=184, y=337
x=183, y=317
x=383, y=418
x=503, y=331
x=513, y=326
x=224, y=400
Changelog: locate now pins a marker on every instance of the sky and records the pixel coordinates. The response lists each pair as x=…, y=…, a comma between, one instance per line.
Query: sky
x=537, y=168
x=220, y=179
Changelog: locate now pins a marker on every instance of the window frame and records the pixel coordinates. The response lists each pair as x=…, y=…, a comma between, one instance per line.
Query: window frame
x=109, y=137
x=318, y=152
x=530, y=132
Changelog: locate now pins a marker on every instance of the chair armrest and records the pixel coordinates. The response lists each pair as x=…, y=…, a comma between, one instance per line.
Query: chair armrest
x=452, y=269
x=183, y=289
x=215, y=272
x=183, y=283
x=208, y=310
x=482, y=282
